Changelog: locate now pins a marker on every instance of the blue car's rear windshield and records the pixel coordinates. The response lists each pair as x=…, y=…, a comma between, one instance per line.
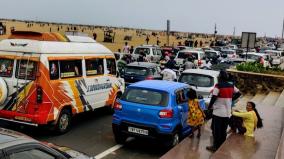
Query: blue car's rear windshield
x=146, y=96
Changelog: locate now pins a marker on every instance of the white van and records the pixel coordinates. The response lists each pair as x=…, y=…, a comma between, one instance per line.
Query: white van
x=182, y=56
x=48, y=80
x=153, y=52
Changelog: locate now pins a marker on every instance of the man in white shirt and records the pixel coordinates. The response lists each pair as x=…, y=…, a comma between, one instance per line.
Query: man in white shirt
x=169, y=75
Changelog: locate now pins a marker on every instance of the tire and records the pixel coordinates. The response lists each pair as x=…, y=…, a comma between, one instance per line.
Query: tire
x=3, y=91
x=64, y=122
x=118, y=136
x=174, y=140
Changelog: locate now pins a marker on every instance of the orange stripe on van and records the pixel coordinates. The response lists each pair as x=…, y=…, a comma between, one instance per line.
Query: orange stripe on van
x=8, y=57
x=66, y=58
x=109, y=57
x=27, y=58
x=94, y=57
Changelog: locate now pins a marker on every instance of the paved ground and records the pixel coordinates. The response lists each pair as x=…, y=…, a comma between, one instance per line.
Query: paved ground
x=92, y=134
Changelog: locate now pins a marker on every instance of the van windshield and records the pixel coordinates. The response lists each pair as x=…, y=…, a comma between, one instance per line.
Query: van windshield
x=6, y=67
x=146, y=96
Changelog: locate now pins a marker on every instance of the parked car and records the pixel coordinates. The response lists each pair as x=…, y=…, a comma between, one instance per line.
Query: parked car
x=139, y=71
x=265, y=59
x=153, y=53
x=229, y=53
x=199, y=57
x=212, y=54
x=152, y=109
x=48, y=82
x=203, y=81
x=277, y=56
x=15, y=145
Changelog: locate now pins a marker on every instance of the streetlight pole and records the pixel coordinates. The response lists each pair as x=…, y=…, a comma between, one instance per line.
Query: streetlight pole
x=282, y=31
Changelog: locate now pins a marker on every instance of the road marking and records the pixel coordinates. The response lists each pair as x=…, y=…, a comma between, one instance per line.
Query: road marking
x=108, y=151
x=112, y=149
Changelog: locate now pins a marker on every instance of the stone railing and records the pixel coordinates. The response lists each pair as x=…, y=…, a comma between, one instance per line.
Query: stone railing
x=250, y=82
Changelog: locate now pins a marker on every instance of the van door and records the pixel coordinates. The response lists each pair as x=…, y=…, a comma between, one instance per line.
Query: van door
x=25, y=75
x=96, y=93
x=112, y=80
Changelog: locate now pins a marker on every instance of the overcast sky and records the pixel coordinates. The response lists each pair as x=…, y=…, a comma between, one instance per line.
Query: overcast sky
x=261, y=16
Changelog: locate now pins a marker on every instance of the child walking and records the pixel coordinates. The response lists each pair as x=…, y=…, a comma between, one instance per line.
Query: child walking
x=196, y=115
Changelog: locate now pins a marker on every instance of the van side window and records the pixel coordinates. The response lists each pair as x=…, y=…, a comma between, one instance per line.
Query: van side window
x=94, y=67
x=53, y=70
x=6, y=67
x=26, y=69
x=111, y=66
x=70, y=68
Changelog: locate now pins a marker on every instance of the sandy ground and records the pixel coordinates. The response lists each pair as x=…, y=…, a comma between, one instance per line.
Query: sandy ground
x=120, y=33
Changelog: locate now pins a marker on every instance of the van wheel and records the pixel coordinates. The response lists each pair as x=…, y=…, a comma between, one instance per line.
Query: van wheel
x=64, y=122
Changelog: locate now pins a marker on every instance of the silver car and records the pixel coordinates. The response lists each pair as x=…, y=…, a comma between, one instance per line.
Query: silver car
x=203, y=81
x=15, y=145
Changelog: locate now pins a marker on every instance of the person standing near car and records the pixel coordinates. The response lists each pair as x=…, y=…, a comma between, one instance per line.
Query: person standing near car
x=168, y=74
x=224, y=93
x=196, y=116
x=189, y=64
x=171, y=64
x=126, y=48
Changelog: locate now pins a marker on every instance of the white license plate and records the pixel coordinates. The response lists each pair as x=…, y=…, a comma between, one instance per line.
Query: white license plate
x=138, y=131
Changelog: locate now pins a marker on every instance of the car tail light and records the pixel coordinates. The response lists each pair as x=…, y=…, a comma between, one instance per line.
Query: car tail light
x=199, y=62
x=149, y=78
x=166, y=113
x=117, y=105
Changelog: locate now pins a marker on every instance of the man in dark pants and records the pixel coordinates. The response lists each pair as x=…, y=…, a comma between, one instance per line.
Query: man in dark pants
x=223, y=94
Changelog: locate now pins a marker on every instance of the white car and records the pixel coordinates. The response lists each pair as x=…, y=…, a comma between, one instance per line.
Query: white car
x=203, y=81
x=277, y=56
x=199, y=57
x=153, y=53
x=256, y=56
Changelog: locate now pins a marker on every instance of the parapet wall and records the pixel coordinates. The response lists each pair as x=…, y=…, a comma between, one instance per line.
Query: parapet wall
x=249, y=82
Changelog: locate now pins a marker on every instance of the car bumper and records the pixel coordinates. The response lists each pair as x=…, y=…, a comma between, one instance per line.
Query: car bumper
x=122, y=128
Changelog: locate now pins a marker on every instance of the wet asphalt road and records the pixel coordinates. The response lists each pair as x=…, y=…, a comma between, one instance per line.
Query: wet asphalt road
x=91, y=133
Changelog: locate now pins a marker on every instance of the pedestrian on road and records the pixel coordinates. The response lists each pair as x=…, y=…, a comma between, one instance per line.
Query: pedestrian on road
x=224, y=93
x=196, y=115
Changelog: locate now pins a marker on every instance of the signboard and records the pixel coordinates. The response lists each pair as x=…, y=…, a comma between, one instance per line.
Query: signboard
x=248, y=40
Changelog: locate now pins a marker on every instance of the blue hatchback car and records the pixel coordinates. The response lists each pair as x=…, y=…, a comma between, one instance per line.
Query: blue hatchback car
x=152, y=109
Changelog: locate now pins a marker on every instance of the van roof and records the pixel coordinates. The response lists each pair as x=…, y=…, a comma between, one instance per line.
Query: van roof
x=52, y=47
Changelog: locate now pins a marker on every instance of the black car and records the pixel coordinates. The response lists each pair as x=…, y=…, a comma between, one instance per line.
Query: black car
x=139, y=71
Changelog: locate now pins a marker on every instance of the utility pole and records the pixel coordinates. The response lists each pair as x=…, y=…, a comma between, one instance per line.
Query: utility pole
x=234, y=32
x=282, y=32
x=215, y=32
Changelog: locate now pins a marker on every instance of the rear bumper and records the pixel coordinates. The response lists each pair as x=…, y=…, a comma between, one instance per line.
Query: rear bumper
x=122, y=128
x=27, y=119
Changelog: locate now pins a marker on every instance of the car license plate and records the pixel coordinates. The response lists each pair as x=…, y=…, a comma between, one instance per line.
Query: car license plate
x=138, y=131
